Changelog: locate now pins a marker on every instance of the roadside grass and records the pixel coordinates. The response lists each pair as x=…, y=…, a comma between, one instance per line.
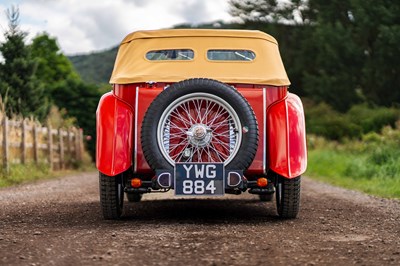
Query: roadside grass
x=338, y=168
x=20, y=173
x=29, y=172
x=371, y=165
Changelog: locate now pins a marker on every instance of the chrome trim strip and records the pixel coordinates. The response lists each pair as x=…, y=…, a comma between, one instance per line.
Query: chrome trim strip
x=136, y=131
x=265, y=130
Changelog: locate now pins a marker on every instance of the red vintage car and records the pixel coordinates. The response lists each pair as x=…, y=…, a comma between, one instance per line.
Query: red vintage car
x=202, y=112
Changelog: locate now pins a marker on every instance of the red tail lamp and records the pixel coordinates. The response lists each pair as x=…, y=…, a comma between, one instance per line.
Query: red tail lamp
x=136, y=183
x=262, y=182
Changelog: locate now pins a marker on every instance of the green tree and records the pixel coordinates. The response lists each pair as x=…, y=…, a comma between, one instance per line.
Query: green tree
x=66, y=90
x=377, y=28
x=21, y=91
x=53, y=66
x=289, y=22
x=79, y=100
x=64, y=86
x=338, y=51
x=356, y=44
x=333, y=72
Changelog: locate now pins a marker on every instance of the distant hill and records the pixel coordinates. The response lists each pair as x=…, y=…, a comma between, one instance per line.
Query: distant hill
x=95, y=67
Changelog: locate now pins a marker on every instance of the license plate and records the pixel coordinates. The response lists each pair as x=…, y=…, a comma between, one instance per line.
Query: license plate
x=195, y=179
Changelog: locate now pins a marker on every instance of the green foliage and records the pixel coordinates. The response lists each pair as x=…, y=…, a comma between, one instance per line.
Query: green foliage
x=76, y=99
x=20, y=173
x=323, y=120
x=377, y=31
x=20, y=89
x=373, y=119
x=79, y=100
x=371, y=165
x=332, y=76
x=95, y=67
x=35, y=77
x=53, y=67
x=341, y=52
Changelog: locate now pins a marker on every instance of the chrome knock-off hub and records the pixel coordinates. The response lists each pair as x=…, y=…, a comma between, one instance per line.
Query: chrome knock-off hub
x=199, y=135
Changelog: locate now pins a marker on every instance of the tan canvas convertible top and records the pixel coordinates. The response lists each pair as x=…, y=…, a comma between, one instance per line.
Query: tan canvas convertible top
x=132, y=66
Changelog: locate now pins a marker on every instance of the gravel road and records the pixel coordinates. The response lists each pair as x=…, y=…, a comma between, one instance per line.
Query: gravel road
x=58, y=222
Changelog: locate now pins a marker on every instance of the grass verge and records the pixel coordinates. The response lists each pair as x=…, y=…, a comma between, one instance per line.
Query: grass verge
x=20, y=173
x=371, y=165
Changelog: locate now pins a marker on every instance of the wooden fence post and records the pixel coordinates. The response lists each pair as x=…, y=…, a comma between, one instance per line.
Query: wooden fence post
x=5, y=145
x=50, y=146
x=80, y=144
x=69, y=148
x=77, y=144
x=68, y=141
x=61, y=147
x=35, y=144
x=72, y=146
x=23, y=142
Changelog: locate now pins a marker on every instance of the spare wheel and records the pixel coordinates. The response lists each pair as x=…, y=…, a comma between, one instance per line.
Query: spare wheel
x=199, y=120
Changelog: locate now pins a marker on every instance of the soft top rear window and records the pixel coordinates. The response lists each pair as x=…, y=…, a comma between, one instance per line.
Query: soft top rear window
x=171, y=54
x=231, y=55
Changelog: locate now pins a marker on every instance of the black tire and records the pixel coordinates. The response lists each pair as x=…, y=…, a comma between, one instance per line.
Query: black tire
x=266, y=197
x=287, y=196
x=134, y=197
x=111, y=196
x=248, y=146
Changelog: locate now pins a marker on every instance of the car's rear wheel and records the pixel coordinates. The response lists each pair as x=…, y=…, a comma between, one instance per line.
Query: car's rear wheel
x=287, y=196
x=111, y=196
x=199, y=120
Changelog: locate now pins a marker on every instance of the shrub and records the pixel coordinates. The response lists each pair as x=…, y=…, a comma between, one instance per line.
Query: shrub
x=322, y=120
x=373, y=119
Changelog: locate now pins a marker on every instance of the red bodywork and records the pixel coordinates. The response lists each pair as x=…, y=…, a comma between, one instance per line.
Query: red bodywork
x=114, y=120
x=280, y=117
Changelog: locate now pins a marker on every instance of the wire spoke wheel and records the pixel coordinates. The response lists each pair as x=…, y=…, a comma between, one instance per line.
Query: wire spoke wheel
x=199, y=127
x=199, y=121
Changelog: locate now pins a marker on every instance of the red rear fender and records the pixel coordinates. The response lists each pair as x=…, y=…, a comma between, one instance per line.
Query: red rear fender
x=287, y=137
x=114, y=135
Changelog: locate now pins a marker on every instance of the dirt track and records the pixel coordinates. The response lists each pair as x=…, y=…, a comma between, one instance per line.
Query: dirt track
x=58, y=222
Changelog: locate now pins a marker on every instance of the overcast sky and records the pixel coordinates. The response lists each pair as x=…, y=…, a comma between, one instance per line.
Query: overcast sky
x=82, y=26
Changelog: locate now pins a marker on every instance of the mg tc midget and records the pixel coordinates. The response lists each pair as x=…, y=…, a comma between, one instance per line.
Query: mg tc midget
x=201, y=112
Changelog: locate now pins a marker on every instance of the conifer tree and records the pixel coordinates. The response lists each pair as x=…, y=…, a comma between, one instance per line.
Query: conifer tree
x=22, y=93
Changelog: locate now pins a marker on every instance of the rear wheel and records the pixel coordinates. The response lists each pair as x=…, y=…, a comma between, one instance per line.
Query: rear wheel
x=287, y=196
x=111, y=196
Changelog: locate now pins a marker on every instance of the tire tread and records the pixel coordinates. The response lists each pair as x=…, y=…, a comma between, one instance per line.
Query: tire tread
x=289, y=207
x=109, y=197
